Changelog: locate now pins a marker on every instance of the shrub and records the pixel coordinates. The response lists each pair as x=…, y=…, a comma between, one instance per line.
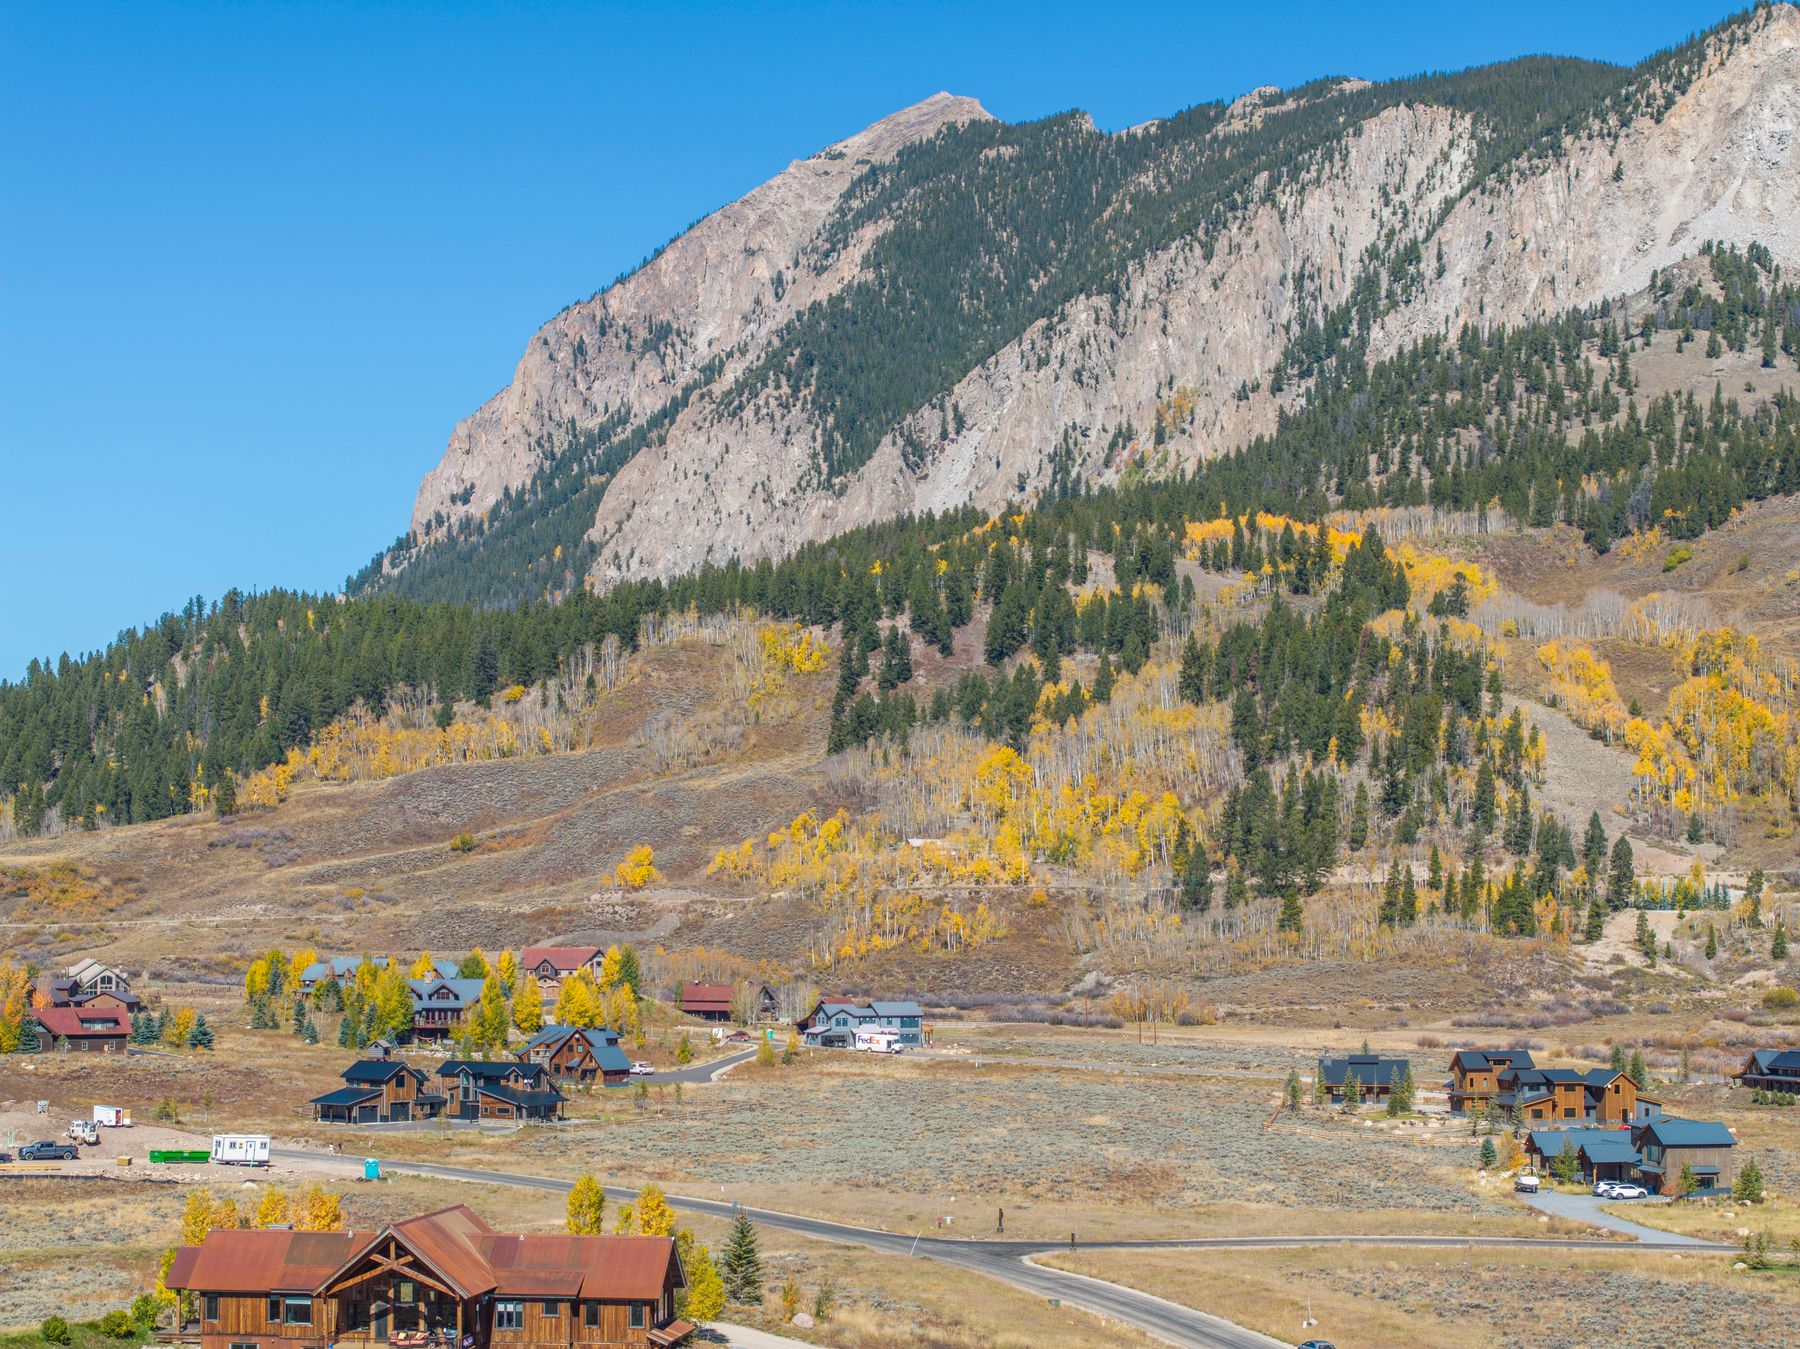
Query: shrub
x=1781, y=998
x=117, y=1324
x=1679, y=554
x=463, y=843
x=54, y=1330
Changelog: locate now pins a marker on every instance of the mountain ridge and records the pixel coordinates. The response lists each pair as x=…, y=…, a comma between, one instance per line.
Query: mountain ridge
x=729, y=415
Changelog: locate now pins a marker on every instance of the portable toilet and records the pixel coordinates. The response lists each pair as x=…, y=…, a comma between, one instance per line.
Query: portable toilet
x=371, y=1168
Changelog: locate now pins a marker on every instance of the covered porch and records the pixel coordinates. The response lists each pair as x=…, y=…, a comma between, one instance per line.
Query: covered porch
x=391, y=1296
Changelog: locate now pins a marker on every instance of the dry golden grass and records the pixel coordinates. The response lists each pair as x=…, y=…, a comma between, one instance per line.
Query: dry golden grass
x=1452, y=1299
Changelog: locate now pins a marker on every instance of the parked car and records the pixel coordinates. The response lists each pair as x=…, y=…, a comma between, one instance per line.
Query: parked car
x=1318, y=1344
x=1605, y=1188
x=1629, y=1192
x=1526, y=1182
x=47, y=1151
x=641, y=1069
x=5, y=1157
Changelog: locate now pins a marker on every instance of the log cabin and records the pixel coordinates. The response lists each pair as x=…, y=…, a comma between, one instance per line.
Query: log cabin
x=445, y=1278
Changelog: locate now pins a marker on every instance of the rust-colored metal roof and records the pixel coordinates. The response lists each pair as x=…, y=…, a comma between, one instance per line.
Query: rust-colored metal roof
x=261, y=1262
x=602, y=1267
x=454, y=1243
x=707, y=997
x=663, y=1336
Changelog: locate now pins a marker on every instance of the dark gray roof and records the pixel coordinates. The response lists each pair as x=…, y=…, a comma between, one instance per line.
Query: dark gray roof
x=375, y=1070
x=1688, y=1133
x=345, y=1096
x=1371, y=1070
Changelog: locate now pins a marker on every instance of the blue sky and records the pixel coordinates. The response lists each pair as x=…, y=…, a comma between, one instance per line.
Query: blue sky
x=259, y=258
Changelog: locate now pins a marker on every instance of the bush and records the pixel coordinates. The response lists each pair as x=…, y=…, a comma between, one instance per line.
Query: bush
x=463, y=843
x=1780, y=999
x=117, y=1324
x=1679, y=554
x=54, y=1330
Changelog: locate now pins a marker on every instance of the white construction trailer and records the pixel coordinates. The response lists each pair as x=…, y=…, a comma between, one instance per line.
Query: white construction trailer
x=241, y=1149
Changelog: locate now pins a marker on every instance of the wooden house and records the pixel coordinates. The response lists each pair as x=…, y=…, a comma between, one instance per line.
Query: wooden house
x=440, y=1006
x=1771, y=1070
x=1563, y=1096
x=1374, y=1074
x=1475, y=1075
x=550, y=965
x=83, y=1030
x=1666, y=1145
x=379, y=1091
x=480, y=1089
x=1600, y=1154
x=445, y=1278
x=575, y=1054
x=709, y=1002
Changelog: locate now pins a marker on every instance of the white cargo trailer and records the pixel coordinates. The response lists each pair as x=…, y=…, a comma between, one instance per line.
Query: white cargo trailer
x=112, y=1117
x=241, y=1149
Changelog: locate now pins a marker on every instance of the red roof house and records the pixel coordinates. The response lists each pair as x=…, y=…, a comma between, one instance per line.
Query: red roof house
x=84, y=1029
x=446, y=1274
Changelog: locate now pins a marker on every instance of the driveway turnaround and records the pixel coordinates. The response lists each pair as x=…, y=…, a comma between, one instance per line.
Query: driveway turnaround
x=1009, y=1261
x=1585, y=1208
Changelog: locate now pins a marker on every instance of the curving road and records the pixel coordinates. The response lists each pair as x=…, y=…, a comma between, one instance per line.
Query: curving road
x=1011, y=1262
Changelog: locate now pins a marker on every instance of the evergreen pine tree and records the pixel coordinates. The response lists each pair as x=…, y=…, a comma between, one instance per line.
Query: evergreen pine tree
x=1621, y=881
x=1637, y=1072
x=201, y=1036
x=740, y=1263
x=1596, y=918
x=1778, y=948
x=1490, y=1155
x=1402, y=1093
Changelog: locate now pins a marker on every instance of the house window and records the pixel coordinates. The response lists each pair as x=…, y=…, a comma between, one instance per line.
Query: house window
x=552, y=1308
x=210, y=1311
x=275, y=1310
x=639, y=1315
x=297, y=1311
x=509, y=1315
x=590, y=1313
x=243, y=1346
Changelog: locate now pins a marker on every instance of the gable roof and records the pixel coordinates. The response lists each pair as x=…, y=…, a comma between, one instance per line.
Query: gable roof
x=906, y=1008
x=492, y=1070
x=67, y=1021
x=706, y=997
x=378, y=1070
x=1688, y=1133
x=1783, y=1060
x=467, y=991
x=248, y=1260
x=454, y=1243
x=1371, y=1070
x=1481, y=1060
x=566, y=959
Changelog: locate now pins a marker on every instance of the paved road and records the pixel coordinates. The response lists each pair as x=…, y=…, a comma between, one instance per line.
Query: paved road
x=1010, y=1261
x=1585, y=1208
x=1111, y=1067
x=700, y=1072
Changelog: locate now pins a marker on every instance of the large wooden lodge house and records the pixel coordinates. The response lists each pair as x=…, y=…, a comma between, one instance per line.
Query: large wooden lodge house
x=446, y=1278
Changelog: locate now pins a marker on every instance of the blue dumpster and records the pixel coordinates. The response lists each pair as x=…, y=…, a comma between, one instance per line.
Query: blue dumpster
x=371, y=1168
